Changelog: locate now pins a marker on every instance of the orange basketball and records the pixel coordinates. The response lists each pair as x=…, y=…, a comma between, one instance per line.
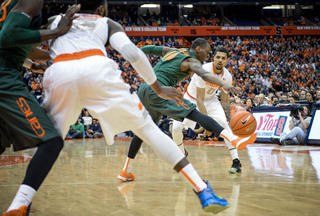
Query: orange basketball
x=243, y=124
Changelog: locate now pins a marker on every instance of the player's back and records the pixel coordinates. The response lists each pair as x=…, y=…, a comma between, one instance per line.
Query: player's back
x=88, y=32
x=168, y=70
x=13, y=55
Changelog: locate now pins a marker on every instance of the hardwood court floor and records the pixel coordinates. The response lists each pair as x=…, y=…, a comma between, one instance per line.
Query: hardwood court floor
x=275, y=181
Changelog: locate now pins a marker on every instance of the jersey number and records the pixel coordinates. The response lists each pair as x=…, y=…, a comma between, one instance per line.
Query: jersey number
x=3, y=10
x=173, y=54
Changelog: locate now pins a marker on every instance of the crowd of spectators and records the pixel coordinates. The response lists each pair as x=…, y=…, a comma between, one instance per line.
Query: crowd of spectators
x=270, y=71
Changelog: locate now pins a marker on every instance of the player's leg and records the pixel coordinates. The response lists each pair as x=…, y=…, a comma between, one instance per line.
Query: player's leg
x=216, y=112
x=126, y=174
x=211, y=125
x=169, y=151
x=177, y=134
x=38, y=131
x=289, y=139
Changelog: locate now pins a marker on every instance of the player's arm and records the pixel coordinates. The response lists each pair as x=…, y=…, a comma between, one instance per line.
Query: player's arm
x=15, y=30
x=156, y=50
x=36, y=68
x=120, y=42
x=225, y=104
x=37, y=53
x=200, y=100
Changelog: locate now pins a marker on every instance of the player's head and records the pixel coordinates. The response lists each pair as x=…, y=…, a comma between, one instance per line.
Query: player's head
x=201, y=49
x=220, y=58
x=99, y=7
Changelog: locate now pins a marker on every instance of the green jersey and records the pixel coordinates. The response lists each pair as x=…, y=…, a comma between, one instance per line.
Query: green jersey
x=15, y=43
x=168, y=70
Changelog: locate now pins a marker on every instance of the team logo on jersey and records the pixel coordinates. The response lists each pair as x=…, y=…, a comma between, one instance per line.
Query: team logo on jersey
x=245, y=121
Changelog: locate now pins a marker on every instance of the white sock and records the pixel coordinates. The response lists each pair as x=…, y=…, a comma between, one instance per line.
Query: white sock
x=193, y=177
x=233, y=151
x=128, y=165
x=228, y=135
x=23, y=197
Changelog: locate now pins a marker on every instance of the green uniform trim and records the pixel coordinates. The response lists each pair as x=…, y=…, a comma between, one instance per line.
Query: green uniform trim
x=15, y=31
x=153, y=50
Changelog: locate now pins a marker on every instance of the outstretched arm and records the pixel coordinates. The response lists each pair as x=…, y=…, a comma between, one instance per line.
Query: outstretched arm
x=16, y=31
x=120, y=42
x=225, y=104
x=156, y=50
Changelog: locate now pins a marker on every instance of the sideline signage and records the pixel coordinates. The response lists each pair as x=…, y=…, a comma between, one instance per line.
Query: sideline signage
x=314, y=132
x=271, y=122
x=221, y=30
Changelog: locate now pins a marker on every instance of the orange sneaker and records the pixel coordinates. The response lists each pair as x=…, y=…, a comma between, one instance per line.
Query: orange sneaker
x=125, y=177
x=242, y=142
x=22, y=211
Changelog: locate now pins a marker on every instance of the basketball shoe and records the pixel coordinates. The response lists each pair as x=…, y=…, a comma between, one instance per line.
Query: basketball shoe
x=22, y=211
x=210, y=201
x=236, y=166
x=125, y=177
x=241, y=142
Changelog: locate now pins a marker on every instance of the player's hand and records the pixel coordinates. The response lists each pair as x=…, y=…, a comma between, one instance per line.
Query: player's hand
x=66, y=20
x=230, y=88
x=170, y=93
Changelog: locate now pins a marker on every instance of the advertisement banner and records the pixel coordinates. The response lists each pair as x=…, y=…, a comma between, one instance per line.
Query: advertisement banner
x=221, y=30
x=271, y=123
x=199, y=31
x=300, y=30
x=314, y=133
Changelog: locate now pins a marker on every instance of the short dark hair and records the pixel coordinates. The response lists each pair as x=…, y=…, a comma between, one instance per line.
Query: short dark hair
x=199, y=42
x=90, y=5
x=221, y=49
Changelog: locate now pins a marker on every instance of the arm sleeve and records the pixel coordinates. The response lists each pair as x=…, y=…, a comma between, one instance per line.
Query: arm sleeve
x=139, y=61
x=153, y=50
x=15, y=31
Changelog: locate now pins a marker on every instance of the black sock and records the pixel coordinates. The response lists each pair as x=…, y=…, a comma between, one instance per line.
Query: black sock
x=42, y=162
x=207, y=122
x=134, y=147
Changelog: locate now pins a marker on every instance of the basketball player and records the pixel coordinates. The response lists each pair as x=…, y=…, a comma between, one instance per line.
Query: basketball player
x=175, y=65
x=23, y=122
x=83, y=76
x=203, y=94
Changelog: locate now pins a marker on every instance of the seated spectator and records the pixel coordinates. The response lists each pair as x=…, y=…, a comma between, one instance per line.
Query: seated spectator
x=275, y=100
x=94, y=130
x=309, y=97
x=261, y=101
x=76, y=130
x=303, y=94
x=293, y=99
x=298, y=129
x=249, y=105
x=87, y=119
x=318, y=96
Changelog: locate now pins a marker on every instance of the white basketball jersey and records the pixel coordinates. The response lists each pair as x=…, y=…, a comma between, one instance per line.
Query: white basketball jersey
x=210, y=89
x=88, y=31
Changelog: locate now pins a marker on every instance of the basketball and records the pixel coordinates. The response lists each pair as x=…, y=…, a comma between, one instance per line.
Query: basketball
x=243, y=124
